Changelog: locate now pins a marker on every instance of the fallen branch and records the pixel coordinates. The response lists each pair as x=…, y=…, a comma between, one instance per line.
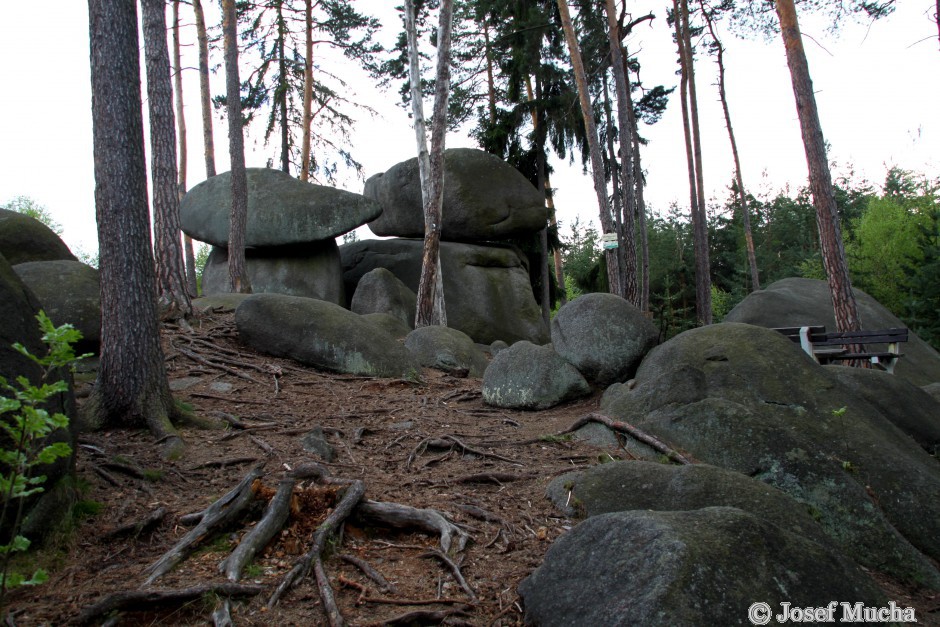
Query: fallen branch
x=451, y=442
x=420, y=617
x=405, y=517
x=493, y=477
x=313, y=557
x=219, y=514
x=275, y=515
x=455, y=569
x=205, y=362
x=222, y=616
x=370, y=572
x=152, y=519
x=104, y=474
x=145, y=600
x=222, y=463
x=630, y=430
x=386, y=601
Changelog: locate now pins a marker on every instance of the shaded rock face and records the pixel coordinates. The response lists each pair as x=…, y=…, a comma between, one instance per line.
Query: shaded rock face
x=639, y=485
x=484, y=199
x=933, y=389
x=526, y=376
x=380, y=291
x=69, y=292
x=603, y=336
x=281, y=210
x=446, y=349
x=487, y=294
x=18, y=309
x=750, y=400
x=684, y=568
x=220, y=302
x=320, y=334
x=806, y=302
x=388, y=323
x=310, y=270
x=24, y=239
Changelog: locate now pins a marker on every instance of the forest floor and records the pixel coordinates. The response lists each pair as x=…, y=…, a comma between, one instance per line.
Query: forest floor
x=430, y=443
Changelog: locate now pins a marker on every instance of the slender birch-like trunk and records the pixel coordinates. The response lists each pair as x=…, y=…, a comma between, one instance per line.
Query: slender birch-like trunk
x=308, y=91
x=189, y=256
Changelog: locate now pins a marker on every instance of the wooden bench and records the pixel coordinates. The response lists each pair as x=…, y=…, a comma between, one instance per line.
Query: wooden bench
x=827, y=348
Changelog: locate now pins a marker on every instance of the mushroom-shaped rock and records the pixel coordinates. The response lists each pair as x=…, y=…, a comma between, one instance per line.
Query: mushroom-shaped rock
x=446, y=349
x=320, y=334
x=603, y=336
x=484, y=199
x=281, y=210
x=24, y=238
x=526, y=376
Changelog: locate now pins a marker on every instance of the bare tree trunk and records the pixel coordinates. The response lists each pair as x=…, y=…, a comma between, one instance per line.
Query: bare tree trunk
x=640, y=202
x=188, y=256
x=615, y=184
x=490, y=86
x=205, y=97
x=738, y=177
x=131, y=388
x=430, y=308
x=693, y=148
x=628, y=184
x=282, y=95
x=820, y=181
x=238, y=273
x=539, y=125
x=597, y=162
x=172, y=296
x=308, y=91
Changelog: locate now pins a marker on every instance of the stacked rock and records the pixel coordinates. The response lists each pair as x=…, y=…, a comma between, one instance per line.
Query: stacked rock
x=290, y=234
x=487, y=293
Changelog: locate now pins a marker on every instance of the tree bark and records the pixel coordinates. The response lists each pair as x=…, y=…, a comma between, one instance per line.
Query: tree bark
x=597, y=162
x=628, y=184
x=738, y=177
x=131, y=388
x=282, y=93
x=189, y=257
x=308, y=91
x=172, y=295
x=238, y=218
x=820, y=180
x=640, y=203
x=205, y=97
x=490, y=85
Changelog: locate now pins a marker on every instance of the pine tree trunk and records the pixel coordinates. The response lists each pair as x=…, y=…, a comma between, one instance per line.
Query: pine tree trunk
x=172, y=296
x=628, y=184
x=539, y=124
x=238, y=218
x=308, y=91
x=597, y=161
x=189, y=257
x=615, y=185
x=205, y=96
x=640, y=203
x=282, y=91
x=820, y=180
x=490, y=84
x=131, y=388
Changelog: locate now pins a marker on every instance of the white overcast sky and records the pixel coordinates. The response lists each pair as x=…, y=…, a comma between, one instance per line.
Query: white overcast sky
x=876, y=87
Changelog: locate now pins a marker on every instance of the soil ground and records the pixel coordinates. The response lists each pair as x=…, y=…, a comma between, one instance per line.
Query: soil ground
x=377, y=428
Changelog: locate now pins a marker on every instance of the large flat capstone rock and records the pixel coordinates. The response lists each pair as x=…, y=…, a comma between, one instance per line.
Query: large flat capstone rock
x=487, y=293
x=320, y=334
x=281, y=210
x=748, y=399
x=484, y=199
x=806, y=302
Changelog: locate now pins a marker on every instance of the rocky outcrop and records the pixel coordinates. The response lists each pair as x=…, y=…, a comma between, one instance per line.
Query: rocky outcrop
x=603, y=336
x=484, y=199
x=281, y=210
x=806, y=302
x=446, y=349
x=750, y=400
x=380, y=291
x=69, y=292
x=24, y=239
x=699, y=567
x=487, y=294
x=526, y=376
x=310, y=270
x=320, y=334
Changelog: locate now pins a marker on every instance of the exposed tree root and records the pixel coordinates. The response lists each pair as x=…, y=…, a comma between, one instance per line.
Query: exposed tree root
x=275, y=515
x=420, y=617
x=211, y=364
x=449, y=442
x=628, y=429
x=404, y=517
x=144, y=600
x=455, y=569
x=152, y=519
x=493, y=477
x=222, y=616
x=217, y=515
x=370, y=572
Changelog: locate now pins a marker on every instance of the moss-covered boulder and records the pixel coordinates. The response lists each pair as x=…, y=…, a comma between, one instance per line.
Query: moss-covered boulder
x=484, y=199
x=526, y=376
x=23, y=239
x=446, y=349
x=603, y=336
x=320, y=334
x=798, y=302
x=748, y=399
x=69, y=292
x=310, y=270
x=380, y=291
x=689, y=568
x=282, y=210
